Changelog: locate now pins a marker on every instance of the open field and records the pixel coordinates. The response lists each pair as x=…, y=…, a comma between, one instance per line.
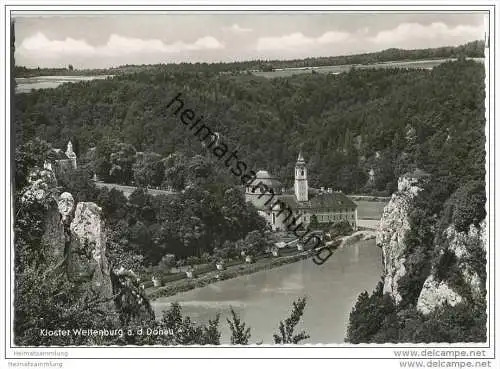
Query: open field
x=336, y=69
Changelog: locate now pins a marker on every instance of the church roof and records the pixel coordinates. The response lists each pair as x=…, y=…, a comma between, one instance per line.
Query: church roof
x=270, y=181
x=263, y=174
x=327, y=201
x=300, y=160
x=301, y=157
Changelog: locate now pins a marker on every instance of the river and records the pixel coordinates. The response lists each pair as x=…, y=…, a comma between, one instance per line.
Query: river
x=36, y=83
x=264, y=298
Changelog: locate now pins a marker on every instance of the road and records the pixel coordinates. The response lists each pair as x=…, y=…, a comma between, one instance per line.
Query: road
x=127, y=190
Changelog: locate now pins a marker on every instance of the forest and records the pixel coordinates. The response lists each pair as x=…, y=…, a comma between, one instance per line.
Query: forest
x=346, y=125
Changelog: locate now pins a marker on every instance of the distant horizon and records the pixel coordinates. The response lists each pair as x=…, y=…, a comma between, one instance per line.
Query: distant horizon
x=250, y=60
x=102, y=41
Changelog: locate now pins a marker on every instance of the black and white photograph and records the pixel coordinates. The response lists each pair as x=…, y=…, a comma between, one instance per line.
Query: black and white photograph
x=250, y=177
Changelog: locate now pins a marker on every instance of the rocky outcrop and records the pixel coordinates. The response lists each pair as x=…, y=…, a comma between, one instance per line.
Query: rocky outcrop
x=392, y=230
x=435, y=293
x=462, y=245
x=441, y=284
x=74, y=244
x=54, y=238
x=65, y=205
x=87, y=260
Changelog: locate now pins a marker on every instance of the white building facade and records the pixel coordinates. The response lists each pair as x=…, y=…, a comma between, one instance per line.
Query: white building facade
x=284, y=210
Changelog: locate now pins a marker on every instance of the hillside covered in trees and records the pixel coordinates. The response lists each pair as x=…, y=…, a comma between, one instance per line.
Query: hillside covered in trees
x=389, y=120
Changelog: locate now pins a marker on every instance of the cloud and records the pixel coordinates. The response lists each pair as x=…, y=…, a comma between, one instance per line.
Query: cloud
x=332, y=37
x=298, y=39
x=40, y=43
x=41, y=46
x=408, y=32
x=405, y=35
x=235, y=28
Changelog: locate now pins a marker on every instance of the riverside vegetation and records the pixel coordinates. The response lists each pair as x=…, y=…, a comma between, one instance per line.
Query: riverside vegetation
x=391, y=120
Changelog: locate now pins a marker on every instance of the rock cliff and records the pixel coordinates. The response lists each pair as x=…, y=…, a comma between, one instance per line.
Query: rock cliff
x=436, y=293
x=74, y=245
x=456, y=276
x=392, y=230
x=462, y=245
x=87, y=261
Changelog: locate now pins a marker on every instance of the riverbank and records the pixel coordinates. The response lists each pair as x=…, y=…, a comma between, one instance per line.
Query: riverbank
x=184, y=285
x=267, y=263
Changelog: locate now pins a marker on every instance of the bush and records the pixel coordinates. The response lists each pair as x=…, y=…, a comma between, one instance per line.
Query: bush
x=445, y=264
x=193, y=260
x=167, y=262
x=342, y=228
x=466, y=206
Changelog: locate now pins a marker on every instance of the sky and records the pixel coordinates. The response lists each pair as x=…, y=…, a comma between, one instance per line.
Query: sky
x=107, y=40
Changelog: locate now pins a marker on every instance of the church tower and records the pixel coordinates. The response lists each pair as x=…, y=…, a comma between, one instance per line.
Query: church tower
x=301, y=188
x=71, y=154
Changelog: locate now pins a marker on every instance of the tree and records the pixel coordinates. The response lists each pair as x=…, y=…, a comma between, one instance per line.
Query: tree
x=45, y=301
x=148, y=169
x=239, y=333
x=342, y=228
x=314, y=224
x=287, y=328
x=114, y=205
x=121, y=161
x=370, y=315
x=255, y=243
x=78, y=182
x=186, y=332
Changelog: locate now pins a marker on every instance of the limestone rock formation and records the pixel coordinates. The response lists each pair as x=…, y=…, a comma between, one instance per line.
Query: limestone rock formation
x=461, y=244
x=435, y=293
x=392, y=230
x=87, y=259
x=74, y=244
x=66, y=204
x=54, y=238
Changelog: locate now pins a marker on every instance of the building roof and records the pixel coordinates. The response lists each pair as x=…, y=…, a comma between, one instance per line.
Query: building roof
x=327, y=201
x=300, y=160
x=263, y=176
